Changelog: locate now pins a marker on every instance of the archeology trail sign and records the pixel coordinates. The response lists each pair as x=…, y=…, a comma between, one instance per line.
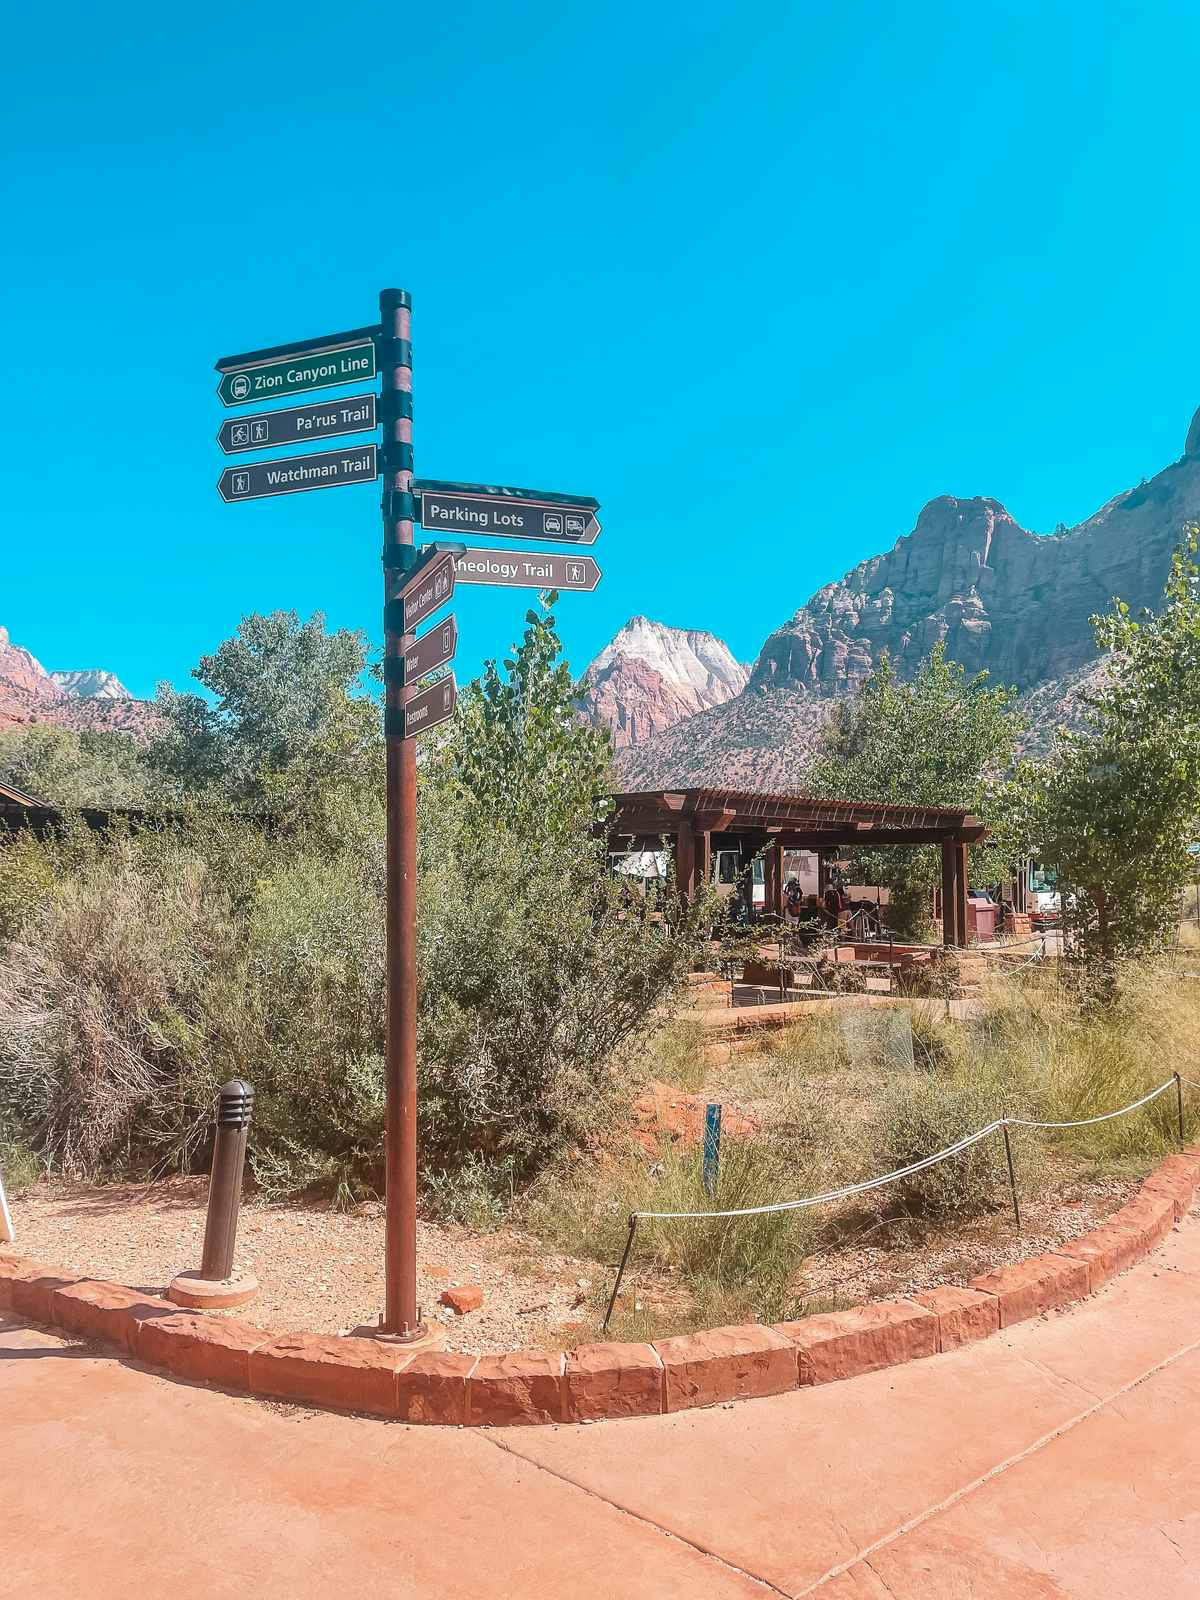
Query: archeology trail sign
x=513, y=569
x=316, y=369
x=330, y=469
x=298, y=424
x=430, y=708
x=507, y=513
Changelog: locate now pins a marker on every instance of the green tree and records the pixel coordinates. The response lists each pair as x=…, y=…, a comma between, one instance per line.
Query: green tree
x=539, y=978
x=283, y=719
x=520, y=754
x=941, y=739
x=75, y=769
x=1115, y=809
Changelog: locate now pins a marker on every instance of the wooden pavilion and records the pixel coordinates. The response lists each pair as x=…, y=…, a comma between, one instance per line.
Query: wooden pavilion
x=701, y=822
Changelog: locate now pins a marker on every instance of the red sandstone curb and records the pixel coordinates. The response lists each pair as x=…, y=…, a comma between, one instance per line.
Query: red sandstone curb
x=598, y=1381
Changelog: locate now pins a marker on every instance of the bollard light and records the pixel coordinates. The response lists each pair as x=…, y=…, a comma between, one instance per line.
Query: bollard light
x=212, y=1285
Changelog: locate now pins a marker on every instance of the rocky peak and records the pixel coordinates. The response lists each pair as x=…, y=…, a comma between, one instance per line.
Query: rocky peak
x=650, y=677
x=1002, y=599
x=21, y=671
x=91, y=684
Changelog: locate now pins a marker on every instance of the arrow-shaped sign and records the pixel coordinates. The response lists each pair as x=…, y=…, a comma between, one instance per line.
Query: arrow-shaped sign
x=290, y=369
x=426, y=589
x=431, y=651
x=502, y=513
x=298, y=424
x=512, y=569
x=431, y=707
x=328, y=470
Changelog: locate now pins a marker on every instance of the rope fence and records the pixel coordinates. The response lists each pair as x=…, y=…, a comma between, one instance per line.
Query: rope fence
x=1001, y=1125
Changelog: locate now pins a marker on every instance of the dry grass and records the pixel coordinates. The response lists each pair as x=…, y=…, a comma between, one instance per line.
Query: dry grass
x=836, y=1104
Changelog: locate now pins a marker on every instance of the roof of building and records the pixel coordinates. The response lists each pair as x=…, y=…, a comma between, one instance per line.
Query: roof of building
x=829, y=820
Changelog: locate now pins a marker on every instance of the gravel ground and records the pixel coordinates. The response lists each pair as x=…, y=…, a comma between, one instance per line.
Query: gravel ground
x=319, y=1271
x=889, y=1263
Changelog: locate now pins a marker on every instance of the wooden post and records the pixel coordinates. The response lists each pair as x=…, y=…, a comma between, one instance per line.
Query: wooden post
x=685, y=859
x=702, y=870
x=774, y=879
x=960, y=894
x=948, y=897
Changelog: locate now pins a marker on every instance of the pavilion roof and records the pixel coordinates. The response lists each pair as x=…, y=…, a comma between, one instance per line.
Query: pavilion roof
x=827, y=821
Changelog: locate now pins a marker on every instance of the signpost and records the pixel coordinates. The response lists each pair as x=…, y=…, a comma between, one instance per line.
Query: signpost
x=328, y=470
x=317, y=364
x=298, y=424
x=431, y=651
x=507, y=513
x=430, y=707
x=514, y=569
x=417, y=583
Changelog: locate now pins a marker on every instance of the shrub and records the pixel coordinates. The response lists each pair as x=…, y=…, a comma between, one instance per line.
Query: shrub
x=926, y=1111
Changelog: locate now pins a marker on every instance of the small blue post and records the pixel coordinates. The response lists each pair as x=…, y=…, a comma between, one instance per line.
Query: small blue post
x=712, y=1147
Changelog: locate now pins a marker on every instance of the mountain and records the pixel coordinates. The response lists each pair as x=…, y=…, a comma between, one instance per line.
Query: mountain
x=89, y=701
x=1004, y=600
x=92, y=685
x=651, y=677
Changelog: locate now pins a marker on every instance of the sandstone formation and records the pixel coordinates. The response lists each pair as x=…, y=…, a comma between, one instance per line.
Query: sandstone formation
x=1003, y=600
x=91, y=685
x=92, y=701
x=651, y=677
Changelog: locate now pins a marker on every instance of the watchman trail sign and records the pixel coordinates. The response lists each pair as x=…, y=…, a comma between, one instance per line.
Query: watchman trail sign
x=513, y=570
x=508, y=513
x=298, y=424
x=245, y=379
x=329, y=470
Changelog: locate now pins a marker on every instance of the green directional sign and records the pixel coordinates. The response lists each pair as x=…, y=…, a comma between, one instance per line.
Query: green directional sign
x=319, y=369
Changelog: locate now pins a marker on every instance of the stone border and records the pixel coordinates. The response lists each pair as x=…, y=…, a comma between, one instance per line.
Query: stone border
x=597, y=1381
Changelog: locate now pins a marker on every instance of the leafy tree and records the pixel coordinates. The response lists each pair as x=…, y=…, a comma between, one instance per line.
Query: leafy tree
x=520, y=753
x=941, y=739
x=538, y=975
x=283, y=719
x=1115, y=809
x=75, y=769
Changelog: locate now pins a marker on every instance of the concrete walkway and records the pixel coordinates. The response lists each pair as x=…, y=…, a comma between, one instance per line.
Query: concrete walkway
x=1061, y=1459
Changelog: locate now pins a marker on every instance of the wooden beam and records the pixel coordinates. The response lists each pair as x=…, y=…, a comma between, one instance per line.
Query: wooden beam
x=949, y=937
x=960, y=893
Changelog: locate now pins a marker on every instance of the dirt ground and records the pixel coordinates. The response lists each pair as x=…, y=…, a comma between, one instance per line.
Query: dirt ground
x=319, y=1271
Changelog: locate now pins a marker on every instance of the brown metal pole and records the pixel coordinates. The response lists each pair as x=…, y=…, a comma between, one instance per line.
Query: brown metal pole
x=401, y=1315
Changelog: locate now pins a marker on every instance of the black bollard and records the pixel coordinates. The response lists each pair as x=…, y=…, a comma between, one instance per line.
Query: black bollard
x=235, y=1107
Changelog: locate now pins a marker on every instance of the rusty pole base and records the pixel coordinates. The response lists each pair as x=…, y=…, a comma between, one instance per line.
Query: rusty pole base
x=421, y=1340
x=212, y=1294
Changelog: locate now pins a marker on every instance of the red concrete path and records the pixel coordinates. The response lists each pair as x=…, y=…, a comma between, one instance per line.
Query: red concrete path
x=1061, y=1459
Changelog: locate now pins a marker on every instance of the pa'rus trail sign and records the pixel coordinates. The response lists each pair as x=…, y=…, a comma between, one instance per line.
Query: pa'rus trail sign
x=507, y=513
x=327, y=470
x=417, y=583
x=298, y=424
x=291, y=368
x=514, y=569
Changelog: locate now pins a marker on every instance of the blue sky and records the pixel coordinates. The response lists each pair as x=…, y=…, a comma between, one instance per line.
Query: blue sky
x=761, y=278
